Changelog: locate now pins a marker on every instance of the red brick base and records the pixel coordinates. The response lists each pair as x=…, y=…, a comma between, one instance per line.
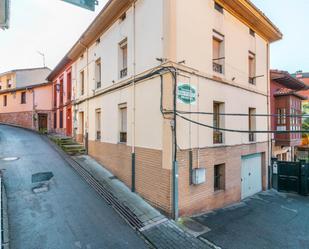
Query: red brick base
x=23, y=119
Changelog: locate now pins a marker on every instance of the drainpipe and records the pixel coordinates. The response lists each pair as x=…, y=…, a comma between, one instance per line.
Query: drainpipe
x=33, y=109
x=269, y=138
x=86, y=136
x=133, y=101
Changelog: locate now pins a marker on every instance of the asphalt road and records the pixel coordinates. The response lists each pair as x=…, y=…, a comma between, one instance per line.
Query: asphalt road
x=268, y=220
x=70, y=215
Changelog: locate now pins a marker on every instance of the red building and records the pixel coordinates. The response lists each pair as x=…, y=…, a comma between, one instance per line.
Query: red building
x=62, y=100
x=286, y=100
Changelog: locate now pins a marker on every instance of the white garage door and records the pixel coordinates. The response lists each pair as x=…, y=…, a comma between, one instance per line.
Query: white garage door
x=251, y=175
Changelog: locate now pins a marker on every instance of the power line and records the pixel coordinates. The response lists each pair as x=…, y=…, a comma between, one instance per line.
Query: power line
x=240, y=131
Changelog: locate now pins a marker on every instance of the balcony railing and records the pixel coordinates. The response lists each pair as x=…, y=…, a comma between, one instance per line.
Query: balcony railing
x=218, y=68
x=252, y=80
x=123, y=72
x=123, y=137
x=251, y=137
x=217, y=137
x=98, y=84
x=98, y=135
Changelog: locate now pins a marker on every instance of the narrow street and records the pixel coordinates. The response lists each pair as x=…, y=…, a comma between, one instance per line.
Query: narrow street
x=70, y=215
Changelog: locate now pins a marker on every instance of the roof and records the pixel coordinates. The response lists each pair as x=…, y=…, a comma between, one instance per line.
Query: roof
x=253, y=17
x=287, y=92
x=242, y=9
x=300, y=75
x=287, y=80
x=24, y=87
x=24, y=69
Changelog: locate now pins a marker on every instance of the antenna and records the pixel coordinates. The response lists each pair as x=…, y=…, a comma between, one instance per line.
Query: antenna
x=43, y=56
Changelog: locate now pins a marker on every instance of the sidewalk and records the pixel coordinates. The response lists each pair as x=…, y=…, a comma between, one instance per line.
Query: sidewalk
x=157, y=229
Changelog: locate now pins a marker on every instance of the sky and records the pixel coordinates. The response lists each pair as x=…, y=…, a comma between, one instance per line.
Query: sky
x=53, y=26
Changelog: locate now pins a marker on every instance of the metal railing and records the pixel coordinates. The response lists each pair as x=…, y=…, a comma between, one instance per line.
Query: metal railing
x=217, y=137
x=98, y=84
x=218, y=68
x=252, y=80
x=123, y=137
x=123, y=72
x=251, y=137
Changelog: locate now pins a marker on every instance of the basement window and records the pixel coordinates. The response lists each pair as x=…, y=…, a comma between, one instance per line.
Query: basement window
x=219, y=177
x=219, y=8
x=5, y=100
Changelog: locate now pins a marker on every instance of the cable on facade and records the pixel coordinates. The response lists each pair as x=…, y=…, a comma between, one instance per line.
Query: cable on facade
x=240, y=131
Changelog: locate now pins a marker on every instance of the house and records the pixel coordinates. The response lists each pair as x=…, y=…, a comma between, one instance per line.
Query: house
x=25, y=98
x=286, y=100
x=62, y=101
x=153, y=83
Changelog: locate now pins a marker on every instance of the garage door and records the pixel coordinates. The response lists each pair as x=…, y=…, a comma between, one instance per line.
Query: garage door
x=251, y=175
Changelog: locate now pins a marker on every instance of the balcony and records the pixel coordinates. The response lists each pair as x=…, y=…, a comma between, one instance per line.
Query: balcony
x=217, y=137
x=218, y=68
x=251, y=137
x=123, y=72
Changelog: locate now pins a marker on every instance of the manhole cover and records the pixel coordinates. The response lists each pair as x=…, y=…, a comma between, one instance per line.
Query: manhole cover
x=42, y=177
x=9, y=158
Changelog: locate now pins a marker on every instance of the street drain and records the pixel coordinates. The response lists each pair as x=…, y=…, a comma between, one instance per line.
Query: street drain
x=42, y=187
x=9, y=158
x=42, y=177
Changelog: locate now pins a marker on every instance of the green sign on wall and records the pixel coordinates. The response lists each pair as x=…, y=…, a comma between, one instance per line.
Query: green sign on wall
x=86, y=4
x=186, y=93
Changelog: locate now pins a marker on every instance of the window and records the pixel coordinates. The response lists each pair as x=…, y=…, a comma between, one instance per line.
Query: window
x=82, y=82
x=218, y=52
x=123, y=17
x=219, y=8
x=217, y=134
x=61, y=119
x=123, y=123
x=98, y=73
x=55, y=120
x=123, y=58
x=23, y=98
x=252, y=33
x=69, y=86
x=8, y=83
x=98, y=124
x=281, y=118
x=55, y=95
x=252, y=124
x=61, y=92
x=5, y=100
x=252, y=68
x=219, y=177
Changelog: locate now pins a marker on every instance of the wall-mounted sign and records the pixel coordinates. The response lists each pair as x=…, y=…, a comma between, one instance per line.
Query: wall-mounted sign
x=86, y=4
x=186, y=93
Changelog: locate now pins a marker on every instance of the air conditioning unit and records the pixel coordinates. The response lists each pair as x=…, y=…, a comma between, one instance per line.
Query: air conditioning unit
x=199, y=176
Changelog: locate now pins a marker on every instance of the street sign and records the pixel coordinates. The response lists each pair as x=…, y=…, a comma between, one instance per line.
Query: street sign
x=4, y=14
x=86, y=4
x=186, y=93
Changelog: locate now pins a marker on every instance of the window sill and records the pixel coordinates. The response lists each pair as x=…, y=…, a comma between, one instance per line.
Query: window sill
x=219, y=191
x=122, y=143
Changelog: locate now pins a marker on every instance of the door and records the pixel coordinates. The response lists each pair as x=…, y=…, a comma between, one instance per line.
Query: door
x=42, y=122
x=69, y=122
x=81, y=127
x=251, y=175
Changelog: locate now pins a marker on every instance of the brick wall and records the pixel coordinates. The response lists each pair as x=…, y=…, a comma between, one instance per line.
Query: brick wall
x=197, y=199
x=23, y=119
x=152, y=182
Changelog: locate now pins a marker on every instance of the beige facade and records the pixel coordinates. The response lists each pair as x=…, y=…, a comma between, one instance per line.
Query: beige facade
x=150, y=36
